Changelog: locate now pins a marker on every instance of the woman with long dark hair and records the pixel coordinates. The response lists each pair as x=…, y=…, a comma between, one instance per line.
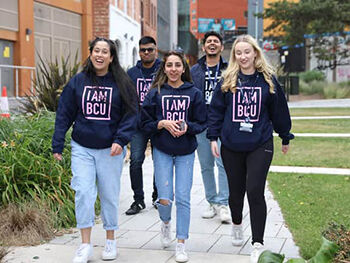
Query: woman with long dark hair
x=173, y=112
x=100, y=104
x=243, y=113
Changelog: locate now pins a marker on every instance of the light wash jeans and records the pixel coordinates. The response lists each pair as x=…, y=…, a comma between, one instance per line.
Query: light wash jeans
x=164, y=172
x=95, y=170
x=207, y=162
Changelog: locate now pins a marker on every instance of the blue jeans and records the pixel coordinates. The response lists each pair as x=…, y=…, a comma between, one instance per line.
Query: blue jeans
x=138, y=147
x=164, y=172
x=95, y=170
x=207, y=162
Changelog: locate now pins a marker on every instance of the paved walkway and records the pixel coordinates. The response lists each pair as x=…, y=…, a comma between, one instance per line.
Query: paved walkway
x=336, y=103
x=138, y=236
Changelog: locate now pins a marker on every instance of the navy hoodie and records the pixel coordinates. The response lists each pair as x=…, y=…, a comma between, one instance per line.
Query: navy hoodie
x=182, y=103
x=143, y=77
x=199, y=71
x=266, y=111
x=98, y=114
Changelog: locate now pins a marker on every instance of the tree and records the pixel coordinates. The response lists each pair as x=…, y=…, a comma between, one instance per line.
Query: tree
x=320, y=25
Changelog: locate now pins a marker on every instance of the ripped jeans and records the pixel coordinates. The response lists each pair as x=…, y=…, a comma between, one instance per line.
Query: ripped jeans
x=164, y=174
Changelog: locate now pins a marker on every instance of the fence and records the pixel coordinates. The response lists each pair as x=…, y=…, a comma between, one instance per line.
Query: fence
x=13, y=88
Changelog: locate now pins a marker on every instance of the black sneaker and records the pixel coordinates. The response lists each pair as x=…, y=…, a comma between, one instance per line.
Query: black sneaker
x=154, y=203
x=135, y=208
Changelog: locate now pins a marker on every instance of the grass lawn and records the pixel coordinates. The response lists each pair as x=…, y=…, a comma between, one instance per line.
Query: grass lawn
x=319, y=111
x=309, y=203
x=318, y=152
x=321, y=126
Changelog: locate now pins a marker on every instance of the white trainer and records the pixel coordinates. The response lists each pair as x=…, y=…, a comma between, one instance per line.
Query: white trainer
x=209, y=212
x=180, y=254
x=257, y=250
x=110, y=250
x=237, y=235
x=83, y=254
x=165, y=234
x=225, y=214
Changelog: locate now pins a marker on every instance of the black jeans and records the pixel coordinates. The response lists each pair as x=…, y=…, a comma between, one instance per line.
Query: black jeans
x=138, y=146
x=247, y=172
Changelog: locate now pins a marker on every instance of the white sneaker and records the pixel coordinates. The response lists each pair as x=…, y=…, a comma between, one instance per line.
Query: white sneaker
x=209, y=212
x=165, y=234
x=180, y=254
x=237, y=235
x=225, y=214
x=83, y=254
x=110, y=251
x=257, y=250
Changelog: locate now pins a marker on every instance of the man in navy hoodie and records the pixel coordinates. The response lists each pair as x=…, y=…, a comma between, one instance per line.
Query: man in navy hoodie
x=142, y=75
x=206, y=75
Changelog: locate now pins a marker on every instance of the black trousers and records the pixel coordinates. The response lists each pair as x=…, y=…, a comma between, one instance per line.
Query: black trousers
x=247, y=172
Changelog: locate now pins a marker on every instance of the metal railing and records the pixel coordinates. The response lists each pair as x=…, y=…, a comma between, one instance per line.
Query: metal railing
x=17, y=68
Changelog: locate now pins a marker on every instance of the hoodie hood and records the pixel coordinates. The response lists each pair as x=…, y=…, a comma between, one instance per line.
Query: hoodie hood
x=185, y=85
x=154, y=67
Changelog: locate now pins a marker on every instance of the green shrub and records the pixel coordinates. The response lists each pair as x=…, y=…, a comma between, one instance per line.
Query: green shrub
x=48, y=84
x=336, y=91
x=312, y=75
x=345, y=84
x=28, y=171
x=341, y=236
x=324, y=255
x=314, y=87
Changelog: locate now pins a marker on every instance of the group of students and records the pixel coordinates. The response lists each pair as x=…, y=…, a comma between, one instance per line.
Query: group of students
x=227, y=111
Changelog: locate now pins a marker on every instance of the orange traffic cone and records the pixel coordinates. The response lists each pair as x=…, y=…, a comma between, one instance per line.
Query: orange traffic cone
x=4, y=104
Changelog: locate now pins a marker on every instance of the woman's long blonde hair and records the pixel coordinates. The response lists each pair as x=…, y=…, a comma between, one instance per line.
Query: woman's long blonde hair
x=261, y=65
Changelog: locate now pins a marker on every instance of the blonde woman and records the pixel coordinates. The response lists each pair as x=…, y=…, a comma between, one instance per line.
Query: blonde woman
x=243, y=113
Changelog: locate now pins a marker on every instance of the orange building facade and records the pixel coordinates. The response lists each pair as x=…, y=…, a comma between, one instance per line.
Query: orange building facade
x=42, y=27
x=218, y=10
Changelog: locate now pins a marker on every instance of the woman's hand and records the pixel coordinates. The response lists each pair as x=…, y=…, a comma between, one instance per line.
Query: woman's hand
x=170, y=126
x=57, y=156
x=215, y=149
x=116, y=149
x=285, y=148
x=181, y=132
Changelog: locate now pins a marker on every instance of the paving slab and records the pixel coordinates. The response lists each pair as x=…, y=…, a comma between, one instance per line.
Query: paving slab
x=138, y=237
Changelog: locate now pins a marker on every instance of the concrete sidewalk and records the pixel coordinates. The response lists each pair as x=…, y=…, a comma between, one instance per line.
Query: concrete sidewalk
x=329, y=103
x=138, y=237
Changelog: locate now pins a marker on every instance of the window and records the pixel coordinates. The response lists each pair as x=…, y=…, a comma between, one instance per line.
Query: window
x=193, y=17
x=193, y=11
x=193, y=1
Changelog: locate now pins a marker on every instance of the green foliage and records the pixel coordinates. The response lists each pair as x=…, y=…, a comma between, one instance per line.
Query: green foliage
x=325, y=20
x=48, y=84
x=28, y=171
x=341, y=236
x=335, y=91
x=313, y=87
x=324, y=255
x=312, y=75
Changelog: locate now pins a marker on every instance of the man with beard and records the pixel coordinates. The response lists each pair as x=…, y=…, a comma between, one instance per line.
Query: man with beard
x=142, y=75
x=206, y=74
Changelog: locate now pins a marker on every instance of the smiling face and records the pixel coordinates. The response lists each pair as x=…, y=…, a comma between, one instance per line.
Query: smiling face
x=173, y=70
x=245, y=56
x=101, y=57
x=212, y=46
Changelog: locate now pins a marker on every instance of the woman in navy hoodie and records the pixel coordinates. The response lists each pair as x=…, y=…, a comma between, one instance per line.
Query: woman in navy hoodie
x=99, y=103
x=173, y=112
x=243, y=113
